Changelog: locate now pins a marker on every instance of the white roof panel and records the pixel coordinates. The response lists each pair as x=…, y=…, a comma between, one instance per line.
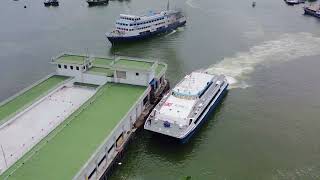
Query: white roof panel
x=176, y=109
x=193, y=84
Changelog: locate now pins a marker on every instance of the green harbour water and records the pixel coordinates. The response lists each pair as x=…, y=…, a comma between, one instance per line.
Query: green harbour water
x=268, y=125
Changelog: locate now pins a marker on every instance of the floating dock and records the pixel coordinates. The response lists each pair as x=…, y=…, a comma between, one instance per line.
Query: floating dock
x=76, y=122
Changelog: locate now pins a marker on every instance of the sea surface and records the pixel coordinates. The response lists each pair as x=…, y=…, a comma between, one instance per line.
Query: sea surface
x=267, y=127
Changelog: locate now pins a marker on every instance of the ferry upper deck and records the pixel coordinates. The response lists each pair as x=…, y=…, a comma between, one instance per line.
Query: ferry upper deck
x=73, y=127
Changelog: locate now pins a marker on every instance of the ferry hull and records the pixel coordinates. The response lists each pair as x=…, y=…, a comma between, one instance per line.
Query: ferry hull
x=97, y=3
x=121, y=39
x=205, y=118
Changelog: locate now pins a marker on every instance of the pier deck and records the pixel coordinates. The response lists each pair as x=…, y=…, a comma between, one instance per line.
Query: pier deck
x=19, y=102
x=28, y=127
x=62, y=154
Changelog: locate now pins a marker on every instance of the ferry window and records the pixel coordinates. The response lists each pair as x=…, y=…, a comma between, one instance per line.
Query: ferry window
x=102, y=159
x=71, y=67
x=145, y=100
x=137, y=74
x=92, y=173
x=77, y=68
x=109, y=150
x=59, y=65
x=121, y=74
x=119, y=140
x=65, y=66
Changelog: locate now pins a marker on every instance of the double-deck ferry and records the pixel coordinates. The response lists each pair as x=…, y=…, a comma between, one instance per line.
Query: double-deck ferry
x=132, y=27
x=187, y=105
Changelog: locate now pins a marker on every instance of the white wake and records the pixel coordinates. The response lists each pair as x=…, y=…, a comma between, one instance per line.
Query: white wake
x=288, y=47
x=191, y=4
x=173, y=32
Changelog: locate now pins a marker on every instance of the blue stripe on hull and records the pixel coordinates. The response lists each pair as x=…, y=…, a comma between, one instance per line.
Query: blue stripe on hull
x=170, y=28
x=205, y=118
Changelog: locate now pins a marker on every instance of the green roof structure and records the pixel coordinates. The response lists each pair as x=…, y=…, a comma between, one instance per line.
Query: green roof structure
x=71, y=59
x=66, y=149
x=24, y=99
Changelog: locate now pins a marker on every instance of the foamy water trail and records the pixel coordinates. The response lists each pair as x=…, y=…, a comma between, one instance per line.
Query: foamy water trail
x=288, y=47
x=191, y=4
x=174, y=31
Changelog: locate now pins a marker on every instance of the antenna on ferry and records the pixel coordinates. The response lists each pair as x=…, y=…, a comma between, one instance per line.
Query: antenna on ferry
x=168, y=5
x=87, y=55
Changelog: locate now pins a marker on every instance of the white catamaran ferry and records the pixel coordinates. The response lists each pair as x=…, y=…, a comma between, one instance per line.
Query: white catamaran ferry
x=187, y=105
x=131, y=27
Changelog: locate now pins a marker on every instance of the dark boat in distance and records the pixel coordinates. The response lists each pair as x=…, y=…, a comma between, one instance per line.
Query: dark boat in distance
x=293, y=2
x=51, y=3
x=97, y=2
x=312, y=10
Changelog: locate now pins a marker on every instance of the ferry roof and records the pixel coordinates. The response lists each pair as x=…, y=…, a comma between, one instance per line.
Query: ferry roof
x=149, y=14
x=133, y=64
x=99, y=70
x=21, y=101
x=102, y=61
x=177, y=108
x=70, y=59
x=106, y=65
x=62, y=154
x=193, y=84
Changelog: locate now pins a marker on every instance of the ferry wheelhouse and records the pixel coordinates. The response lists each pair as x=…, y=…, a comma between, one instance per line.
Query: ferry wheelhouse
x=132, y=27
x=187, y=105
